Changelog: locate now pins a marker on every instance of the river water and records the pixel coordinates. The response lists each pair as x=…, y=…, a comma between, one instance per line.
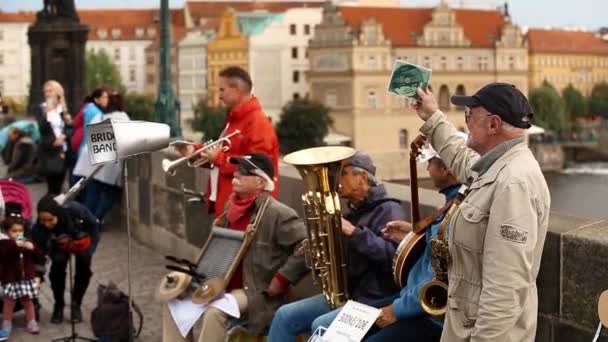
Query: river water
x=580, y=190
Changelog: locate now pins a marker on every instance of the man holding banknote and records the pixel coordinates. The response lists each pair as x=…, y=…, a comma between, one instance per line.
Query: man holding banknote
x=497, y=234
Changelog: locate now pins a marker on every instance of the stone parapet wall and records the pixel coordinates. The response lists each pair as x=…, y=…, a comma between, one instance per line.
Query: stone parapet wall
x=573, y=270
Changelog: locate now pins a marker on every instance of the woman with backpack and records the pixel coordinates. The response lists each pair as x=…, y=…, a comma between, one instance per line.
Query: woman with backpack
x=63, y=231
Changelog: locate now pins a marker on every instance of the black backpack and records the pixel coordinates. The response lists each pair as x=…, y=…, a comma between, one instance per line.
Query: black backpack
x=110, y=318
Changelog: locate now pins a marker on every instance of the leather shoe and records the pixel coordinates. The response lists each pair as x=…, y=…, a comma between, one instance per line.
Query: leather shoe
x=76, y=314
x=57, y=317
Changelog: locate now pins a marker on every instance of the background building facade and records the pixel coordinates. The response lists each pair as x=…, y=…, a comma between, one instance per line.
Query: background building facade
x=567, y=57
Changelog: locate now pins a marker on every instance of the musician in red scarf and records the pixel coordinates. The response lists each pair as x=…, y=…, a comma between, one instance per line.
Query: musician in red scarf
x=269, y=266
x=257, y=134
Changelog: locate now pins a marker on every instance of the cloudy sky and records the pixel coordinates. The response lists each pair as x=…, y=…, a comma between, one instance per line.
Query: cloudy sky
x=589, y=14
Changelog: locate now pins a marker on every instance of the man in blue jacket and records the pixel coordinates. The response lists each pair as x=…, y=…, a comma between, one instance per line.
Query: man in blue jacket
x=369, y=254
x=404, y=319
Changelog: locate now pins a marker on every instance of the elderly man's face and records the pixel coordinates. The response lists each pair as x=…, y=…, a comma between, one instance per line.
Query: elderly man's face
x=478, y=121
x=246, y=185
x=352, y=184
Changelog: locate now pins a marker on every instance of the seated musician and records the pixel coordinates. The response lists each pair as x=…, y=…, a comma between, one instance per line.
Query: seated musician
x=369, y=254
x=404, y=319
x=269, y=266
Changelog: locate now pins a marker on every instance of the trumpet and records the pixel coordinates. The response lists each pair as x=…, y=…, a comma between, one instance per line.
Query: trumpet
x=224, y=143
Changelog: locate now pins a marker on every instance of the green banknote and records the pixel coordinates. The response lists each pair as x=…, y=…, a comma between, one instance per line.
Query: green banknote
x=406, y=77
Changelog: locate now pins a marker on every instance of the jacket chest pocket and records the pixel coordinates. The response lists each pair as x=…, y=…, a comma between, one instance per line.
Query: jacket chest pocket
x=470, y=227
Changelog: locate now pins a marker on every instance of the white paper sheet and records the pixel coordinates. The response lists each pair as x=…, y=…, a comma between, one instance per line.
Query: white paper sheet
x=186, y=314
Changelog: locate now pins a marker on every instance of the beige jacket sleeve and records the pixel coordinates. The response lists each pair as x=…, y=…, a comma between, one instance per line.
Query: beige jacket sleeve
x=452, y=148
x=508, y=257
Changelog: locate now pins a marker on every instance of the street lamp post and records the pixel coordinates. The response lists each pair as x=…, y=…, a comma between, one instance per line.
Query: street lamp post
x=166, y=108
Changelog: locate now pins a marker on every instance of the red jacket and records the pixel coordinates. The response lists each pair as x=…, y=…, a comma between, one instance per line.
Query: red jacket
x=257, y=135
x=78, y=124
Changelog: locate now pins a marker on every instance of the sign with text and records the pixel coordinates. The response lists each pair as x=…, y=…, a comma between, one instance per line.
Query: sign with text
x=352, y=323
x=101, y=143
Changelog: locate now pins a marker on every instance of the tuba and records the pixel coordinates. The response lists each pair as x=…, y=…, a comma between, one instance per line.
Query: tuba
x=320, y=168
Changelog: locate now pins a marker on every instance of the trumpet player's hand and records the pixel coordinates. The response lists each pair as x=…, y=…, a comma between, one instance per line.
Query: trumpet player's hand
x=396, y=230
x=347, y=228
x=301, y=248
x=211, y=153
x=387, y=317
x=185, y=149
x=427, y=105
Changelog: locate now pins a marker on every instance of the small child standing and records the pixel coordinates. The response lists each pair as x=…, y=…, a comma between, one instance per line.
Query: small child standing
x=17, y=259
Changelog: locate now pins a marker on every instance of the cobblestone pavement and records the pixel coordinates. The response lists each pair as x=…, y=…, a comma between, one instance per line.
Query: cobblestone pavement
x=109, y=264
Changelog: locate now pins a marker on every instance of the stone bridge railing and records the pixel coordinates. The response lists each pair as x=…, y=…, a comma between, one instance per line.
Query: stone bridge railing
x=572, y=276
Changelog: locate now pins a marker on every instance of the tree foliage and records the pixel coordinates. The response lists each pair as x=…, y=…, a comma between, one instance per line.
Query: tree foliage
x=139, y=107
x=548, y=107
x=303, y=123
x=208, y=120
x=101, y=71
x=598, y=101
x=575, y=104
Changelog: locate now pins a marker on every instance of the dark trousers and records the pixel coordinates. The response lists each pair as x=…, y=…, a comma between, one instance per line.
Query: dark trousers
x=99, y=198
x=416, y=329
x=54, y=183
x=82, y=276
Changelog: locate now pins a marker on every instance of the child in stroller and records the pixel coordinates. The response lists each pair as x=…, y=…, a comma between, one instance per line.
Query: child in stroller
x=18, y=202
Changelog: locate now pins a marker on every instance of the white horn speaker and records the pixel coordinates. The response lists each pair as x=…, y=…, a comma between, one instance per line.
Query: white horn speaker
x=113, y=140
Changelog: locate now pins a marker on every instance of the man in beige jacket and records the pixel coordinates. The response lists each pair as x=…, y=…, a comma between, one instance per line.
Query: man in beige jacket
x=498, y=232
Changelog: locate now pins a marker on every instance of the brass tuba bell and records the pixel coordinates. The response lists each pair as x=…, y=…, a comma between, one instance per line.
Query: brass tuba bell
x=320, y=168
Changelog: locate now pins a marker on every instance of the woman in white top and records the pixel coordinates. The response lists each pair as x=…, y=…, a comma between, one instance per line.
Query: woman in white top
x=106, y=187
x=52, y=121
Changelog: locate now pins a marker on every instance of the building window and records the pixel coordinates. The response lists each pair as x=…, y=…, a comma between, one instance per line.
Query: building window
x=427, y=63
x=460, y=90
x=296, y=96
x=444, y=63
x=1, y=58
x=459, y=62
x=444, y=98
x=292, y=29
x=115, y=33
x=403, y=139
x=139, y=32
x=306, y=53
x=102, y=33
x=1, y=35
x=132, y=74
x=131, y=54
x=307, y=29
x=296, y=76
x=371, y=63
x=150, y=60
x=294, y=53
x=150, y=79
x=117, y=54
x=331, y=99
x=151, y=32
x=371, y=99
x=1, y=86
x=512, y=63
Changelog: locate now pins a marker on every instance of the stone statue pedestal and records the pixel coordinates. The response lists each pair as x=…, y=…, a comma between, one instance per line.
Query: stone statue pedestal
x=57, y=46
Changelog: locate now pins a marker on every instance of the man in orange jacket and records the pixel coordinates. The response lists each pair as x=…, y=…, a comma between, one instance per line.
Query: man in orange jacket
x=257, y=135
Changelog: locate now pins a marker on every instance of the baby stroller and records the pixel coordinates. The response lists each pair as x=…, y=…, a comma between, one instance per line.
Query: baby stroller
x=18, y=202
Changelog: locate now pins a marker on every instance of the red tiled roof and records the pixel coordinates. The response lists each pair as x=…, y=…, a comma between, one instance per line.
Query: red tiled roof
x=17, y=17
x=128, y=20
x=400, y=24
x=214, y=9
x=562, y=41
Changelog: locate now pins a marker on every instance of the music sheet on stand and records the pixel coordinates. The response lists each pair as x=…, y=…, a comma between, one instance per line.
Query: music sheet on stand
x=186, y=314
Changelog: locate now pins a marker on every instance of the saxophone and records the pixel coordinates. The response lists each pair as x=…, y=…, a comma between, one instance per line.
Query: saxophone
x=434, y=294
x=320, y=168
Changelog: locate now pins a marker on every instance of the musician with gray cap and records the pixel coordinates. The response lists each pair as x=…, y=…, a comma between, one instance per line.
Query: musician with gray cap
x=369, y=254
x=269, y=266
x=497, y=234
